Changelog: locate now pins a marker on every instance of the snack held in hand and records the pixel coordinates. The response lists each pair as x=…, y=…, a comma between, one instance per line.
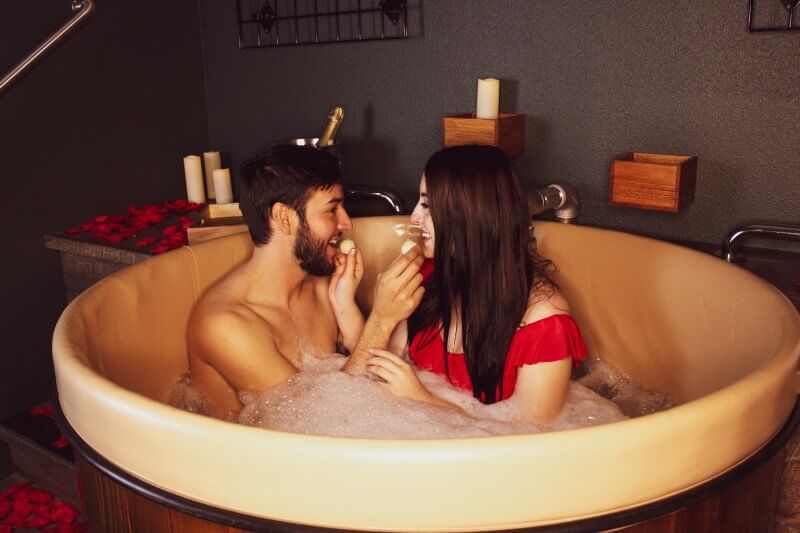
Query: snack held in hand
x=346, y=245
x=408, y=245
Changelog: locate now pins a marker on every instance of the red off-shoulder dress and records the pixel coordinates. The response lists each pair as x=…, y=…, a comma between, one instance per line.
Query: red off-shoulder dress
x=550, y=339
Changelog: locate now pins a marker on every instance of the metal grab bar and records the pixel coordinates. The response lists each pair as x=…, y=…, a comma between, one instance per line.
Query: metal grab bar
x=738, y=235
x=82, y=9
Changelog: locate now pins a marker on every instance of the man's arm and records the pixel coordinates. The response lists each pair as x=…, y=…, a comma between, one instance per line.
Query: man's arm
x=398, y=292
x=342, y=295
x=240, y=348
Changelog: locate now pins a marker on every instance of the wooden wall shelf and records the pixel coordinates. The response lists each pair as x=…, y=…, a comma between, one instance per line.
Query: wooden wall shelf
x=506, y=132
x=653, y=181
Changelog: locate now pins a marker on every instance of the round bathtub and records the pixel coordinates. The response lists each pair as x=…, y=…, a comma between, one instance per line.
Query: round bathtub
x=721, y=341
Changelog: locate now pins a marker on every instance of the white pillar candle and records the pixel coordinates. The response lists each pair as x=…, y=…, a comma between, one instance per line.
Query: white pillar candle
x=222, y=184
x=193, y=170
x=488, y=98
x=211, y=162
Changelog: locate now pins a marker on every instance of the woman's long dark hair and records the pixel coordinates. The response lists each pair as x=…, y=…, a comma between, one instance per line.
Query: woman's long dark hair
x=485, y=259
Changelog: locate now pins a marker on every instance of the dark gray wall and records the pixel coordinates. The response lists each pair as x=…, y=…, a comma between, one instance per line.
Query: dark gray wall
x=98, y=125
x=596, y=79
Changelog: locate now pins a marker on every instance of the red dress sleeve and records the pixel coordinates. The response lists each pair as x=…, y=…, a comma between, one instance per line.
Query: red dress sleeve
x=550, y=339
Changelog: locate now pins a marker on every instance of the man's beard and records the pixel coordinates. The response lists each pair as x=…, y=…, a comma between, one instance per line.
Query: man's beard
x=312, y=252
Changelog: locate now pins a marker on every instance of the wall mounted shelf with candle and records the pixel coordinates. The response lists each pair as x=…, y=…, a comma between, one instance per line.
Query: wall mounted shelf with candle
x=486, y=125
x=507, y=132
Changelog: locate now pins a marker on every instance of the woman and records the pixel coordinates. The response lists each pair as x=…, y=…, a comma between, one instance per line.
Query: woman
x=508, y=329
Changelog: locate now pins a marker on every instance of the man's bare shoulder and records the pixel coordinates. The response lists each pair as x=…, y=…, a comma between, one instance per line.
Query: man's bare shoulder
x=222, y=315
x=546, y=302
x=220, y=324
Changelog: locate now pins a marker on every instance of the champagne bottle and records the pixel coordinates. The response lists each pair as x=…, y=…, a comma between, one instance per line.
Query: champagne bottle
x=334, y=120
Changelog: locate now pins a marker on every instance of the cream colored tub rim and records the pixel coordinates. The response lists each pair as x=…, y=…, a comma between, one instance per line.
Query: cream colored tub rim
x=235, y=518
x=766, y=376
x=91, y=396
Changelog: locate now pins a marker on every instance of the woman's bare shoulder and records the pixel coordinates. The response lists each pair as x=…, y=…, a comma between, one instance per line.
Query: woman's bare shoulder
x=544, y=303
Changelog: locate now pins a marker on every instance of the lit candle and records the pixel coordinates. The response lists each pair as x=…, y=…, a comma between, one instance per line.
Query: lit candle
x=222, y=184
x=488, y=98
x=211, y=162
x=193, y=170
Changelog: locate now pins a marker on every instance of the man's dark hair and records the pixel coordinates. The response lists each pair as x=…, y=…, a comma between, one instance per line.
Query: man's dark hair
x=282, y=173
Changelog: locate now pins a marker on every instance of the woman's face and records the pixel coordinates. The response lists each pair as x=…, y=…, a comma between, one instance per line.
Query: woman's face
x=421, y=216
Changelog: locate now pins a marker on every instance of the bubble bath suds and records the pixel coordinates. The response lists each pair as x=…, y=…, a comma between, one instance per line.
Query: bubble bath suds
x=320, y=400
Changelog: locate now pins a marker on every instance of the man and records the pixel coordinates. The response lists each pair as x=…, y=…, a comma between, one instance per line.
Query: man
x=295, y=296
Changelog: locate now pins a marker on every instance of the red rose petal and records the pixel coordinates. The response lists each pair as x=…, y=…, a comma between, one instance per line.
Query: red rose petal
x=177, y=205
x=42, y=410
x=146, y=241
x=160, y=249
x=13, y=489
x=64, y=513
x=101, y=218
x=113, y=239
x=37, y=522
x=5, y=528
x=73, y=231
x=39, y=496
x=21, y=507
x=62, y=442
x=15, y=520
x=169, y=230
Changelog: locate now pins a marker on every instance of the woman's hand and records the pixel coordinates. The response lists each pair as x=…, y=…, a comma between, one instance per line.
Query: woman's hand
x=399, y=290
x=345, y=280
x=400, y=378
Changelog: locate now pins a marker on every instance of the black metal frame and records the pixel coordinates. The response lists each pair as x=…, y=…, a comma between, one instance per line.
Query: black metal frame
x=790, y=5
x=267, y=21
x=613, y=520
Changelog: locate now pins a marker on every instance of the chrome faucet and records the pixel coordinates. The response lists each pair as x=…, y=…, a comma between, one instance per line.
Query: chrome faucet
x=363, y=191
x=742, y=233
x=561, y=198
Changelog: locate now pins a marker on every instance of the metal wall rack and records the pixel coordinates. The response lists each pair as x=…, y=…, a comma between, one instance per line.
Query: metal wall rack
x=269, y=23
x=789, y=5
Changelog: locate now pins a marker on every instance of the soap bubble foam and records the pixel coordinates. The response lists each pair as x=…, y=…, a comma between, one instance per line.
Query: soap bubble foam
x=321, y=400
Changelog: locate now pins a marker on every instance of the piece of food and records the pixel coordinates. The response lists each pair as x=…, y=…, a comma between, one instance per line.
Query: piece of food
x=408, y=245
x=346, y=245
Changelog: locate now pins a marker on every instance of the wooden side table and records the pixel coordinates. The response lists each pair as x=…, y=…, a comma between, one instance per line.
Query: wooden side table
x=85, y=263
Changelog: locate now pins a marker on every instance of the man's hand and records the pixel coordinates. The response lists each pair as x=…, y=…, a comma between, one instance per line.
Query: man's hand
x=399, y=289
x=397, y=293
x=342, y=294
x=345, y=279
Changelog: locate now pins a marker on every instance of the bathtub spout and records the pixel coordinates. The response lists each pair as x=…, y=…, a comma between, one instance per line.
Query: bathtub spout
x=561, y=198
x=385, y=195
x=740, y=234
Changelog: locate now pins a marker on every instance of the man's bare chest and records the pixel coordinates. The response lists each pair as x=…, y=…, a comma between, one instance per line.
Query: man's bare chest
x=303, y=330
